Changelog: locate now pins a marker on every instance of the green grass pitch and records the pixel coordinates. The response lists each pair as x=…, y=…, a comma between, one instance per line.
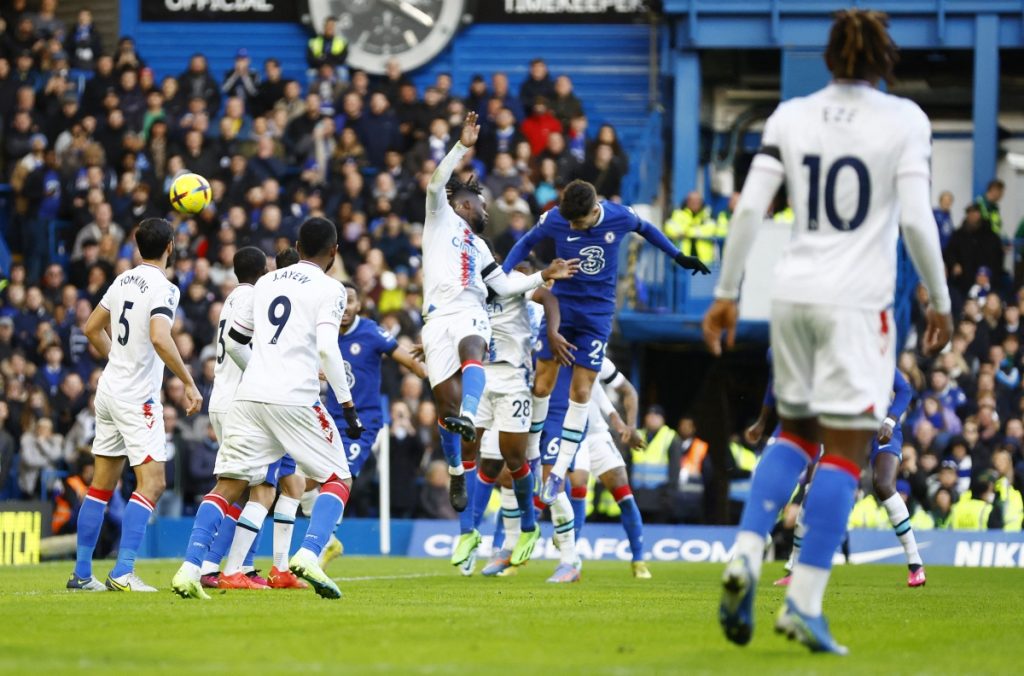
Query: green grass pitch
x=419, y=616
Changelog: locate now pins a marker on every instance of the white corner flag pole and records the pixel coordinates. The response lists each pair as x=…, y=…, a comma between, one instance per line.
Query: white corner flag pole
x=384, y=474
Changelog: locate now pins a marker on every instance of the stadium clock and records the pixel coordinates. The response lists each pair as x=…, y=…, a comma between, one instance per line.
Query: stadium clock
x=411, y=31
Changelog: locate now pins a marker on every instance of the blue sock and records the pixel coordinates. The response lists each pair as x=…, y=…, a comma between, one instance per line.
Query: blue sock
x=481, y=496
x=473, y=381
x=523, y=486
x=90, y=522
x=827, y=509
x=208, y=519
x=225, y=534
x=466, y=524
x=632, y=523
x=578, y=498
x=451, y=445
x=499, y=533
x=250, y=556
x=133, y=529
x=327, y=511
x=773, y=482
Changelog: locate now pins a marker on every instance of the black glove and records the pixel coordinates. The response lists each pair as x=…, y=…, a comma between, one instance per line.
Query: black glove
x=355, y=428
x=691, y=263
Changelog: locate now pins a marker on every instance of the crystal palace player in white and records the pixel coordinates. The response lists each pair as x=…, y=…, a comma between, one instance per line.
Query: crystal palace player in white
x=457, y=270
x=293, y=328
x=856, y=163
x=138, y=311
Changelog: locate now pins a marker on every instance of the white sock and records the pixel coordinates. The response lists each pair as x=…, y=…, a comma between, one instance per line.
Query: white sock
x=540, y=414
x=750, y=545
x=513, y=525
x=249, y=524
x=808, y=588
x=798, y=540
x=562, y=516
x=899, y=517
x=307, y=500
x=575, y=422
x=190, y=569
x=209, y=568
x=284, y=524
x=456, y=471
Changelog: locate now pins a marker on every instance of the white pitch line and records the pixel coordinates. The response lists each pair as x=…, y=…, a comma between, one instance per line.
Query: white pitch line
x=367, y=578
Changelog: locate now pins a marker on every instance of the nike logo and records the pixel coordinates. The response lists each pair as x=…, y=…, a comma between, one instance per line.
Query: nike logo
x=573, y=239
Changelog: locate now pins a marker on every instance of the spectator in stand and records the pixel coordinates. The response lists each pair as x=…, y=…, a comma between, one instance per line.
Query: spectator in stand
x=501, y=137
x=406, y=457
x=241, y=81
x=41, y=449
x=567, y=167
x=500, y=90
x=328, y=48
x=603, y=173
x=380, y=130
x=539, y=124
x=197, y=82
x=971, y=247
x=269, y=90
x=564, y=104
x=537, y=84
x=655, y=468
x=944, y=217
x=83, y=43
x=607, y=135
x=127, y=56
x=988, y=206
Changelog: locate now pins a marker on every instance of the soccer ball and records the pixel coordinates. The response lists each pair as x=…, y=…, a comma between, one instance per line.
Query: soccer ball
x=190, y=193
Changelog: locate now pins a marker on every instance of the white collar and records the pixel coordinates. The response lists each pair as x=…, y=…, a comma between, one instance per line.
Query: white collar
x=353, y=327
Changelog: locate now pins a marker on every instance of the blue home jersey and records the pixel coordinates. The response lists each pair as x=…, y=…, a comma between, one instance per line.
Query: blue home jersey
x=593, y=287
x=363, y=346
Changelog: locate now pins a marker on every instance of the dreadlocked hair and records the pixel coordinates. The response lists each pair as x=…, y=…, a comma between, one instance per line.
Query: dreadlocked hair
x=455, y=186
x=860, y=47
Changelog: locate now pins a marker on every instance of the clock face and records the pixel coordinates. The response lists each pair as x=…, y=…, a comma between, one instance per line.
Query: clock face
x=411, y=31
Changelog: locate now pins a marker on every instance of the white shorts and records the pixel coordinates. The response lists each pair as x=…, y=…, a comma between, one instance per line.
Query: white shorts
x=441, y=338
x=598, y=454
x=489, y=448
x=833, y=363
x=256, y=434
x=505, y=404
x=217, y=423
x=128, y=429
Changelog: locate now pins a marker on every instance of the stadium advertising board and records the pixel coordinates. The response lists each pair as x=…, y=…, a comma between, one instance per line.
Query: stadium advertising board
x=22, y=526
x=559, y=11
x=219, y=10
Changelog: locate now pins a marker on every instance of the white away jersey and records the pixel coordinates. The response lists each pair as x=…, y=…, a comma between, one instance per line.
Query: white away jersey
x=512, y=334
x=226, y=374
x=287, y=306
x=454, y=263
x=841, y=150
x=133, y=372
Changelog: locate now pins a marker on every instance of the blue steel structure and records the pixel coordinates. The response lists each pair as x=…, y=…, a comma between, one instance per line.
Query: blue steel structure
x=799, y=28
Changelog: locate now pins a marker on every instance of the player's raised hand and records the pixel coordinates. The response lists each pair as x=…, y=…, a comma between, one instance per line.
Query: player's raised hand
x=561, y=349
x=193, y=399
x=561, y=269
x=937, y=333
x=470, y=130
x=721, y=316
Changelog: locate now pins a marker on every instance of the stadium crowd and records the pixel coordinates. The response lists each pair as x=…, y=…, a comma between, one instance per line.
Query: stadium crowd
x=91, y=141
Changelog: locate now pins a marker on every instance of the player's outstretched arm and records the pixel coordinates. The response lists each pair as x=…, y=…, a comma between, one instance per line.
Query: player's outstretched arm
x=503, y=285
x=762, y=183
x=406, y=359
x=436, y=195
x=561, y=348
x=160, y=336
x=521, y=249
x=96, y=330
x=656, y=237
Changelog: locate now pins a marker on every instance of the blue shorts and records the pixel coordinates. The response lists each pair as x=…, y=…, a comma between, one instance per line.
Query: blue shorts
x=589, y=333
x=280, y=469
x=895, y=446
x=550, y=442
x=358, y=451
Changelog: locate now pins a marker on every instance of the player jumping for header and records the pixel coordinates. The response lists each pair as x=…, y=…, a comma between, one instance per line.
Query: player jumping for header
x=458, y=267
x=591, y=230
x=856, y=163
